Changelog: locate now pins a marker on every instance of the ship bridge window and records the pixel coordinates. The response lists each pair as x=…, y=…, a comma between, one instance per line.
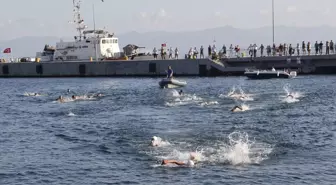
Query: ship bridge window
x=116, y=41
x=103, y=41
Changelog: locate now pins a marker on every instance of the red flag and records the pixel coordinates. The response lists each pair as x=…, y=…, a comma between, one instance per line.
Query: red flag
x=7, y=50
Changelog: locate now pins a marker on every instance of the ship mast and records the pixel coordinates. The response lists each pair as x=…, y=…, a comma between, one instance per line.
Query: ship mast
x=77, y=18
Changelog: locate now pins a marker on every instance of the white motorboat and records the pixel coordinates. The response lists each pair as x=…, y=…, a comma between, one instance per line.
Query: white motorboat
x=268, y=74
x=171, y=83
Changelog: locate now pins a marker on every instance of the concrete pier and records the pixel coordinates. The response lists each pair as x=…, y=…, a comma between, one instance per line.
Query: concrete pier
x=321, y=64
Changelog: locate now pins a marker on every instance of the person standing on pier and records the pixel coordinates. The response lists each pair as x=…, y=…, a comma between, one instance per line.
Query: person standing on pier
x=176, y=53
x=209, y=51
x=309, y=48
x=201, y=52
x=274, y=49
x=170, y=53
x=155, y=53
x=262, y=50
x=303, y=47
x=195, y=53
x=321, y=47
x=285, y=49
x=298, y=49
x=332, y=46
x=269, y=50
x=316, y=48
x=290, y=50
x=327, y=48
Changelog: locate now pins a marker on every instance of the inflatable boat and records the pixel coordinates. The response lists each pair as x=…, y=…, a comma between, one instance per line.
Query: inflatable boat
x=171, y=83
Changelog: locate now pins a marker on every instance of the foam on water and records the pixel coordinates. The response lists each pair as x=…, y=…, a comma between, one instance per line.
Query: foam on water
x=241, y=95
x=31, y=94
x=294, y=96
x=71, y=114
x=159, y=142
x=184, y=99
x=239, y=150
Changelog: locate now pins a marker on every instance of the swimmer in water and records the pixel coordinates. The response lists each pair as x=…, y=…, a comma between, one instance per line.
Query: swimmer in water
x=191, y=162
x=236, y=108
x=99, y=95
x=60, y=99
x=74, y=97
x=68, y=90
x=180, y=92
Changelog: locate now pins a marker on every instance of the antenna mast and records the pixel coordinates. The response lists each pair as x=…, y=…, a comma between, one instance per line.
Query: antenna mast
x=77, y=18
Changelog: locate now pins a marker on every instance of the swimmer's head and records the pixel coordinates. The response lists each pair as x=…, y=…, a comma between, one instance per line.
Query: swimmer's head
x=180, y=92
x=194, y=157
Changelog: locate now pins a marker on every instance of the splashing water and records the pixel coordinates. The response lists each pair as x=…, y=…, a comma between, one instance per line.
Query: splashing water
x=31, y=94
x=159, y=142
x=291, y=96
x=186, y=99
x=71, y=114
x=241, y=150
x=238, y=96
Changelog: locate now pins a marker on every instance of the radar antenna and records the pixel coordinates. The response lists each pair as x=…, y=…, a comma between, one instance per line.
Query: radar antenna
x=78, y=19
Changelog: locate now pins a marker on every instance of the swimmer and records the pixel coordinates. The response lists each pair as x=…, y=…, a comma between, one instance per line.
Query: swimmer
x=180, y=92
x=191, y=162
x=68, y=90
x=60, y=99
x=37, y=94
x=99, y=95
x=75, y=97
x=236, y=108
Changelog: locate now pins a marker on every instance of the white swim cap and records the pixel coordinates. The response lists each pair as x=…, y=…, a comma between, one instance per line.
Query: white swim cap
x=154, y=138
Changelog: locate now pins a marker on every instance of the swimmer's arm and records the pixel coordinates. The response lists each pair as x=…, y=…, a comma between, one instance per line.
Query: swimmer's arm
x=164, y=162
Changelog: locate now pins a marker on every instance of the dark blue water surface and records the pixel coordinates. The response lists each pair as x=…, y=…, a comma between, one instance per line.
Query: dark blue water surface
x=278, y=140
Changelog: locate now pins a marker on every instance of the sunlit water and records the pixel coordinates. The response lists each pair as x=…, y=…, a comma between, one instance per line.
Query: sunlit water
x=277, y=139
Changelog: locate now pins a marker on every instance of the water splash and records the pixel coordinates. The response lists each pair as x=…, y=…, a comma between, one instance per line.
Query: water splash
x=239, y=150
x=241, y=95
x=291, y=96
x=158, y=142
x=71, y=114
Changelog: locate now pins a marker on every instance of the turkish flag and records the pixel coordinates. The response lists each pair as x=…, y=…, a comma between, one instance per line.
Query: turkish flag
x=7, y=50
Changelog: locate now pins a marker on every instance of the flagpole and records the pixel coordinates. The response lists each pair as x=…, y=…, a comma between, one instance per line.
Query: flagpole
x=273, y=20
x=94, y=28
